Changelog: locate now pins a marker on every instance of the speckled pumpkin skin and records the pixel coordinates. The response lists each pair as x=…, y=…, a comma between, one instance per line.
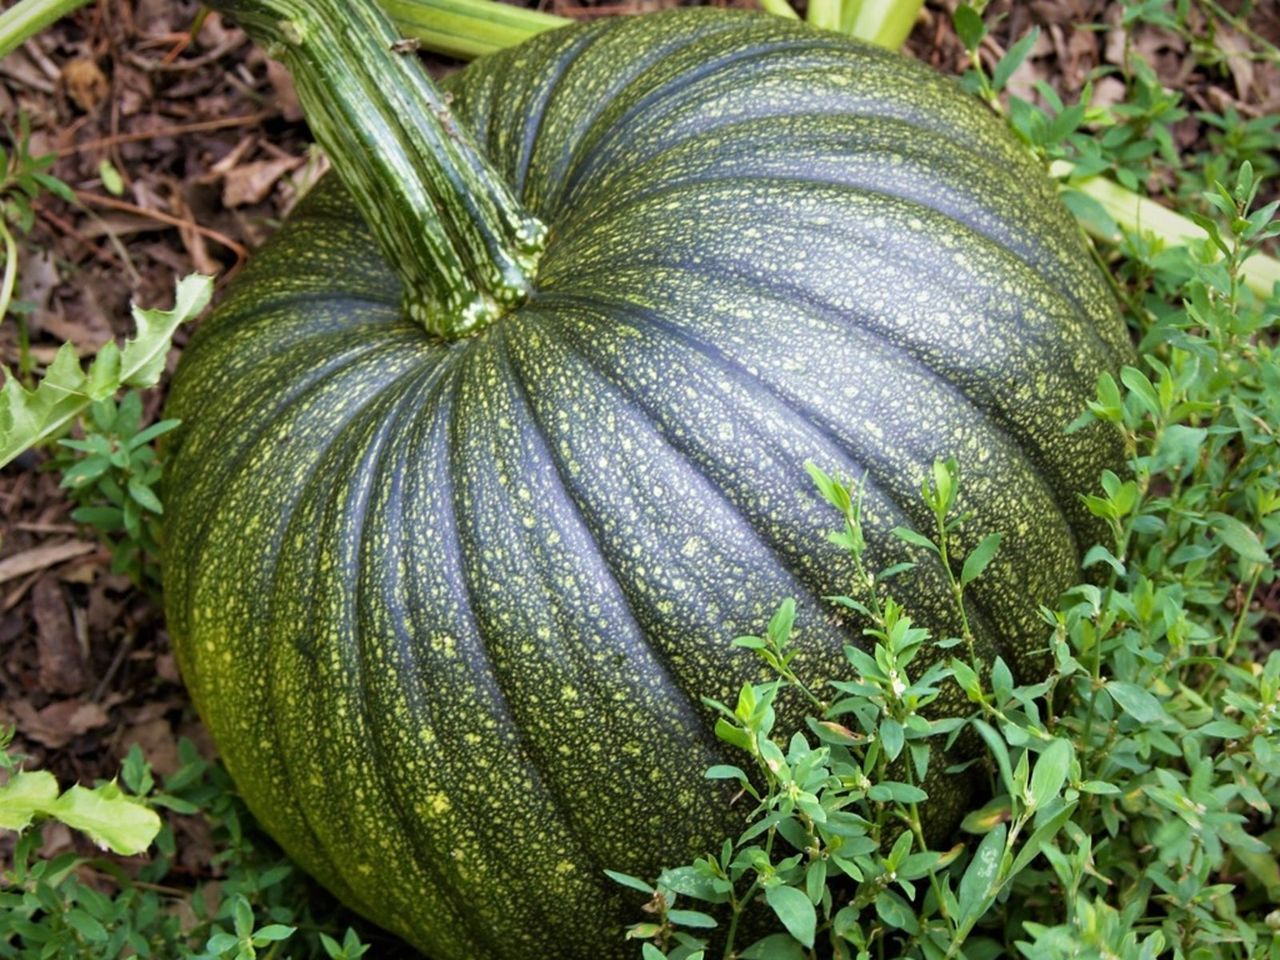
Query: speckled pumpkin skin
x=448, y=608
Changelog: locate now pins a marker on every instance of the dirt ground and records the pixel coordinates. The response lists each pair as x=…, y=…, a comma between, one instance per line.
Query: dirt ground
x=211, y=149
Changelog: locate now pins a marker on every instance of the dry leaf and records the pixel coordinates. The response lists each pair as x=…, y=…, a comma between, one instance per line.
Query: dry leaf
x=157, y=742
x=1236, y=49
x=286, y=96
x=57, y=650
x=60, y=722
x=253, y=182
x=37, y=558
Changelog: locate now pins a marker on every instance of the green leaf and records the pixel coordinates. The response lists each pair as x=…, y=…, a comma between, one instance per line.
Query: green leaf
x=87, y=926
x=897, y=792
x=915, y=539
x=979, y=558
x=1136, y=702
x=892, y=736
x=1039, y=838
x=122, y=824
x=635, y=883
x=896, y=912
x=27, y=795
x=1050, y=772
x=831, y=489
x=1240, y=539
x=111, y=178
x=29, y=416
x=734, y=735
x=795, y=911
x=1013, y=59
x=271, y=933
x=781, y=623
x=975, y=886
x=691, y=918
x=999, y=751
x=144, y=496
x=969, y=26
x=1140, y=387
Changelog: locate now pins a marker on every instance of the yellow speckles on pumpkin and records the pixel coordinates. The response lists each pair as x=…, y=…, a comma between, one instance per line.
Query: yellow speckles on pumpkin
x=444, y=644
x=438, y=804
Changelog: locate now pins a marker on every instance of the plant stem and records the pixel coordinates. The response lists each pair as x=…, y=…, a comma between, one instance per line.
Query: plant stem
x=825, y=14
x=1134, y=213
x=28, y=17
x=885, y=23
x=10, y=268
x=442, y=215
x=468, y=28
x=779, y=8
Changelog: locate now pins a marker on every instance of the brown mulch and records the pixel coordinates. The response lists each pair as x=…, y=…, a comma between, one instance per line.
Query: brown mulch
x=208, y=140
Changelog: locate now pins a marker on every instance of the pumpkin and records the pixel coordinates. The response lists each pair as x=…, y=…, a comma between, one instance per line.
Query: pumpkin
x=447, y=598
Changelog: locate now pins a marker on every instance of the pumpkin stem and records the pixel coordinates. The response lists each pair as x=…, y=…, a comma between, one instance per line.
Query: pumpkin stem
x=443, y=216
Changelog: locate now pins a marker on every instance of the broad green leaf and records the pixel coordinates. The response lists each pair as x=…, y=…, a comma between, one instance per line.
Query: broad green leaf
x=29, y=416
x=999, y=751
x=691, y=918
x=1050, y=772
x=975, y=886
x=1013, y=59
x=892, y=736
x=781, y=623
x=896, y=912
x=794, y=910
x=1042, y=835
x=1242, y=541
x=271, y=933
x=969, y=26
x=28, y=794
x=979, y=558
x=908, y=535
x=635, y=883
x=1138, y=703
x=109, y=818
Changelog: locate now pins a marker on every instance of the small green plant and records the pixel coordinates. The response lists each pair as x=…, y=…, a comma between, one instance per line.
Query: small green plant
x=251, y=904
x=28, y=417
x=23, y=179
x=111, y=474
x=109, y=817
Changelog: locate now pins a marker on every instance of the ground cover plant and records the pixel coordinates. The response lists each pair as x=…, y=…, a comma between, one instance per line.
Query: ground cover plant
x=1144, y=770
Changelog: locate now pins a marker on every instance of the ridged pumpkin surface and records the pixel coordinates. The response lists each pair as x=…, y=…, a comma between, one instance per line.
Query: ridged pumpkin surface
x=448, y=608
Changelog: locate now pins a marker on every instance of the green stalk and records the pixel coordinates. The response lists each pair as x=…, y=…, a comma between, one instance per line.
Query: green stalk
x=28, y=17
x=826, y=14
x=885, y=23
x=443, y=217
x=468, y=28
x=779, y=8
x=1136, y=214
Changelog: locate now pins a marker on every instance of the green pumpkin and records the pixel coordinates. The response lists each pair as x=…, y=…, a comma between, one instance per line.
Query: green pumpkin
x=448, y=607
